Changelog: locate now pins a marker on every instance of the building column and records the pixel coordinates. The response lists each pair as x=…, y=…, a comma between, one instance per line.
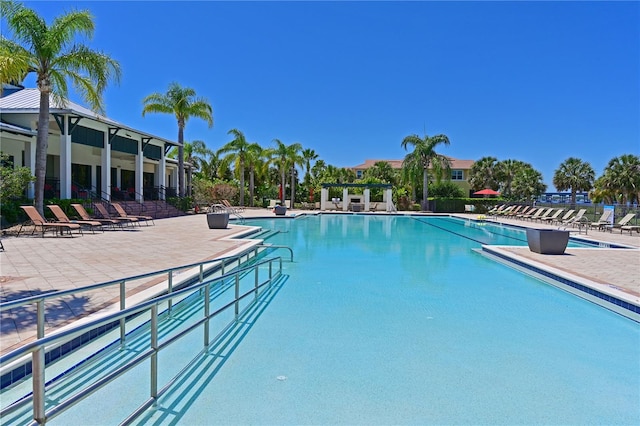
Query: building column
x=105, y=162
x=345, y=199
x=30, y=162
x=139, y=170
x=65, y=164
x=367, y=197
x=161, y=177
x=389, y=197
x=324, y=197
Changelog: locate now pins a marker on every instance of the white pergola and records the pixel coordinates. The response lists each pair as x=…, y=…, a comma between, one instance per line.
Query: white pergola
x=355, y=202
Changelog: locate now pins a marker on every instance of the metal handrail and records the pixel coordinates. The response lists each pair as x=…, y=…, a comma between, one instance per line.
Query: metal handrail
x=275, y=246
x=40, y=299
x=37, y=348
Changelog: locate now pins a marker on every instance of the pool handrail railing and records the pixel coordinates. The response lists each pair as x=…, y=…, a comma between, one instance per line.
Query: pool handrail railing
x=37, y=347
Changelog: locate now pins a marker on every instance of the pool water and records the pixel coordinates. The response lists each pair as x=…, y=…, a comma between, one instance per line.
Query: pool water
x=395, y=320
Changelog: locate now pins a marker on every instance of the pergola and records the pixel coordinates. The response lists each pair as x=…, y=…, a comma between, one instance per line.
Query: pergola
x=356, y=202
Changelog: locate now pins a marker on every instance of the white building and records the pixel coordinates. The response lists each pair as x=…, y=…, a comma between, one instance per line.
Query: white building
x=89, y=155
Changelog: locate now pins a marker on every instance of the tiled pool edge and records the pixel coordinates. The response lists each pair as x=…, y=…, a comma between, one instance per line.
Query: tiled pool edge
x=613, y=300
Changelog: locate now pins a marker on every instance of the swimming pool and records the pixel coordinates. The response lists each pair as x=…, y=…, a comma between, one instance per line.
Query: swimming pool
x=396, y=320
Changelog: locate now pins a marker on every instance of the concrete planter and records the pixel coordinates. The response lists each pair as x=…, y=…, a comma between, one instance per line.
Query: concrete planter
x=280, y=210
x=547, y=241
x=217, y=220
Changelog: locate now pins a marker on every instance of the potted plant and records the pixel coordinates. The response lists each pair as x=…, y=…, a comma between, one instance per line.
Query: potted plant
x=280, y=210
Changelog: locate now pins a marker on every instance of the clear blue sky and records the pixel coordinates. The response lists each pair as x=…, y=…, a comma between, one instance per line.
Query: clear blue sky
x=532, y=81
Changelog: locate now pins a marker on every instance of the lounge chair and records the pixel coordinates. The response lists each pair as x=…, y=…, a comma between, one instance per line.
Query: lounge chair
x=105, y=215
x=38, y=220
x=120, y=210
x=62, y=217
x=522, y=210
x=82, y=212
x=537, y=214
x=496, y=209
x=544, y=215
x=528, y=214
x=566, y=216
x=505, y=211
x=604, y=220
x=553, y=217
x=577, y=219
x=622, y=223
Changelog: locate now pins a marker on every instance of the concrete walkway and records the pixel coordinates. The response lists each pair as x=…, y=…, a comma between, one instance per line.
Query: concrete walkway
x=32, y=265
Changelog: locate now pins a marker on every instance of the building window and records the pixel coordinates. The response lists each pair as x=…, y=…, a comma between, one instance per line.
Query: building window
x=359, y=174
x=457, y=175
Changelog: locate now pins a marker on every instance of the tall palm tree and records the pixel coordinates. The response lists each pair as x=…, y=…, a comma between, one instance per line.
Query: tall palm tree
x=282, y=156
x=308, y=156
x=183, y=104
x=574, y=174
x=528, y=183
x=382, y=170
x=254, y=158
x=504, y=173
x=237, y=150
x=54, y=54
x=424, y=153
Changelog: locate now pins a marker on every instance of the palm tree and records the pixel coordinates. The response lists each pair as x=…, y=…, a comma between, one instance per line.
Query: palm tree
x=237, y=150
x=254, y=158
x=483, y=174
x=574, y=174
x=528, y=183
x=183, y=104
x=282, y=156
x=622, y=178
x=195, y=153
x=424, y=153
x=308, y=156
x=54, y=54
x=382, y=170
x=504, y=173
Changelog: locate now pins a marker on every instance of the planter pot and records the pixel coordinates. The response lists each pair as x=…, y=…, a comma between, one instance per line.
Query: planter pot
x=217, y=220
x=280, y=210
x=547, y=241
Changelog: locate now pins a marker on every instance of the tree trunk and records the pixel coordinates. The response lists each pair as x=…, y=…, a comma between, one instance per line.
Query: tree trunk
x=180, y=160
x=242, y=184
x=425, y=190
x=42, y=143
x=251, y=186
x=284, y=196
x=293, y=186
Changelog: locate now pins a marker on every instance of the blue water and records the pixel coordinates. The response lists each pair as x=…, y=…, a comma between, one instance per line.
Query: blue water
x=395, y=320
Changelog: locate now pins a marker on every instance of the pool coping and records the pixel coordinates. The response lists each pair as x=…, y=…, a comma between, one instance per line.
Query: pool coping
x=606, y=295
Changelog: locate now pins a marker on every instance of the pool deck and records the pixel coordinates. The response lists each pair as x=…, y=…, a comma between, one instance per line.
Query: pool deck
x=32, y=265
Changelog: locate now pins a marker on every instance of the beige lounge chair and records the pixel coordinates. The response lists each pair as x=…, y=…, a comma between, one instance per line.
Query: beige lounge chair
x=577, y=219
x=622, y=224
x=544, y=215
x=528, y=214
x=566, y=216
x=537, y=214
x=38, y=220
x=521, y=210
x=604, y=220
x=553, y=217
x=121, y=211
x=84, y=215
x=62, y=217
x=105, y=215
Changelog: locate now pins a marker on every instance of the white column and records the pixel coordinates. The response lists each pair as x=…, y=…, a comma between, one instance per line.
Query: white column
x=162, y=174
x=324, y=197
x=139, y=170
x=105, y=162
x=367, y=196
x=345, y=199
x=65, y=164
x=389, y=197
x=30, y=162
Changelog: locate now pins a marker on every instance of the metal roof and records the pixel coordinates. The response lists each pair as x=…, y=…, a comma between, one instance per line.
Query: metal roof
x=27, y=101
x=6, y=127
